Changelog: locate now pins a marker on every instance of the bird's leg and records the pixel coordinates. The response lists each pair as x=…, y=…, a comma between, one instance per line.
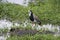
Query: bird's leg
x=33, y=24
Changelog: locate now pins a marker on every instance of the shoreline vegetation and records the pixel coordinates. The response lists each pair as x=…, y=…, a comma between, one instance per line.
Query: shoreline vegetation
x=34, y=37
x=47, y=12
x=19, y=13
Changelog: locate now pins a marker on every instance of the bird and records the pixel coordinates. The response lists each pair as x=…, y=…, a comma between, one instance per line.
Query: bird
x=33, y=18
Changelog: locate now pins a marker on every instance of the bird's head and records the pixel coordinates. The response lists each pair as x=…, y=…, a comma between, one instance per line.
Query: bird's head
x=29, y=12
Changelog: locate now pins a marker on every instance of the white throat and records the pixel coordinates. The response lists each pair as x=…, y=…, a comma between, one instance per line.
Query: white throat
x=29, y=13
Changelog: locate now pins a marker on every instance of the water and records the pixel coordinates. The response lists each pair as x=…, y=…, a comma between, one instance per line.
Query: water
x=45, y=26
x=49, y=27
x=7, y=24
x=20, y=2
x=4, y=36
